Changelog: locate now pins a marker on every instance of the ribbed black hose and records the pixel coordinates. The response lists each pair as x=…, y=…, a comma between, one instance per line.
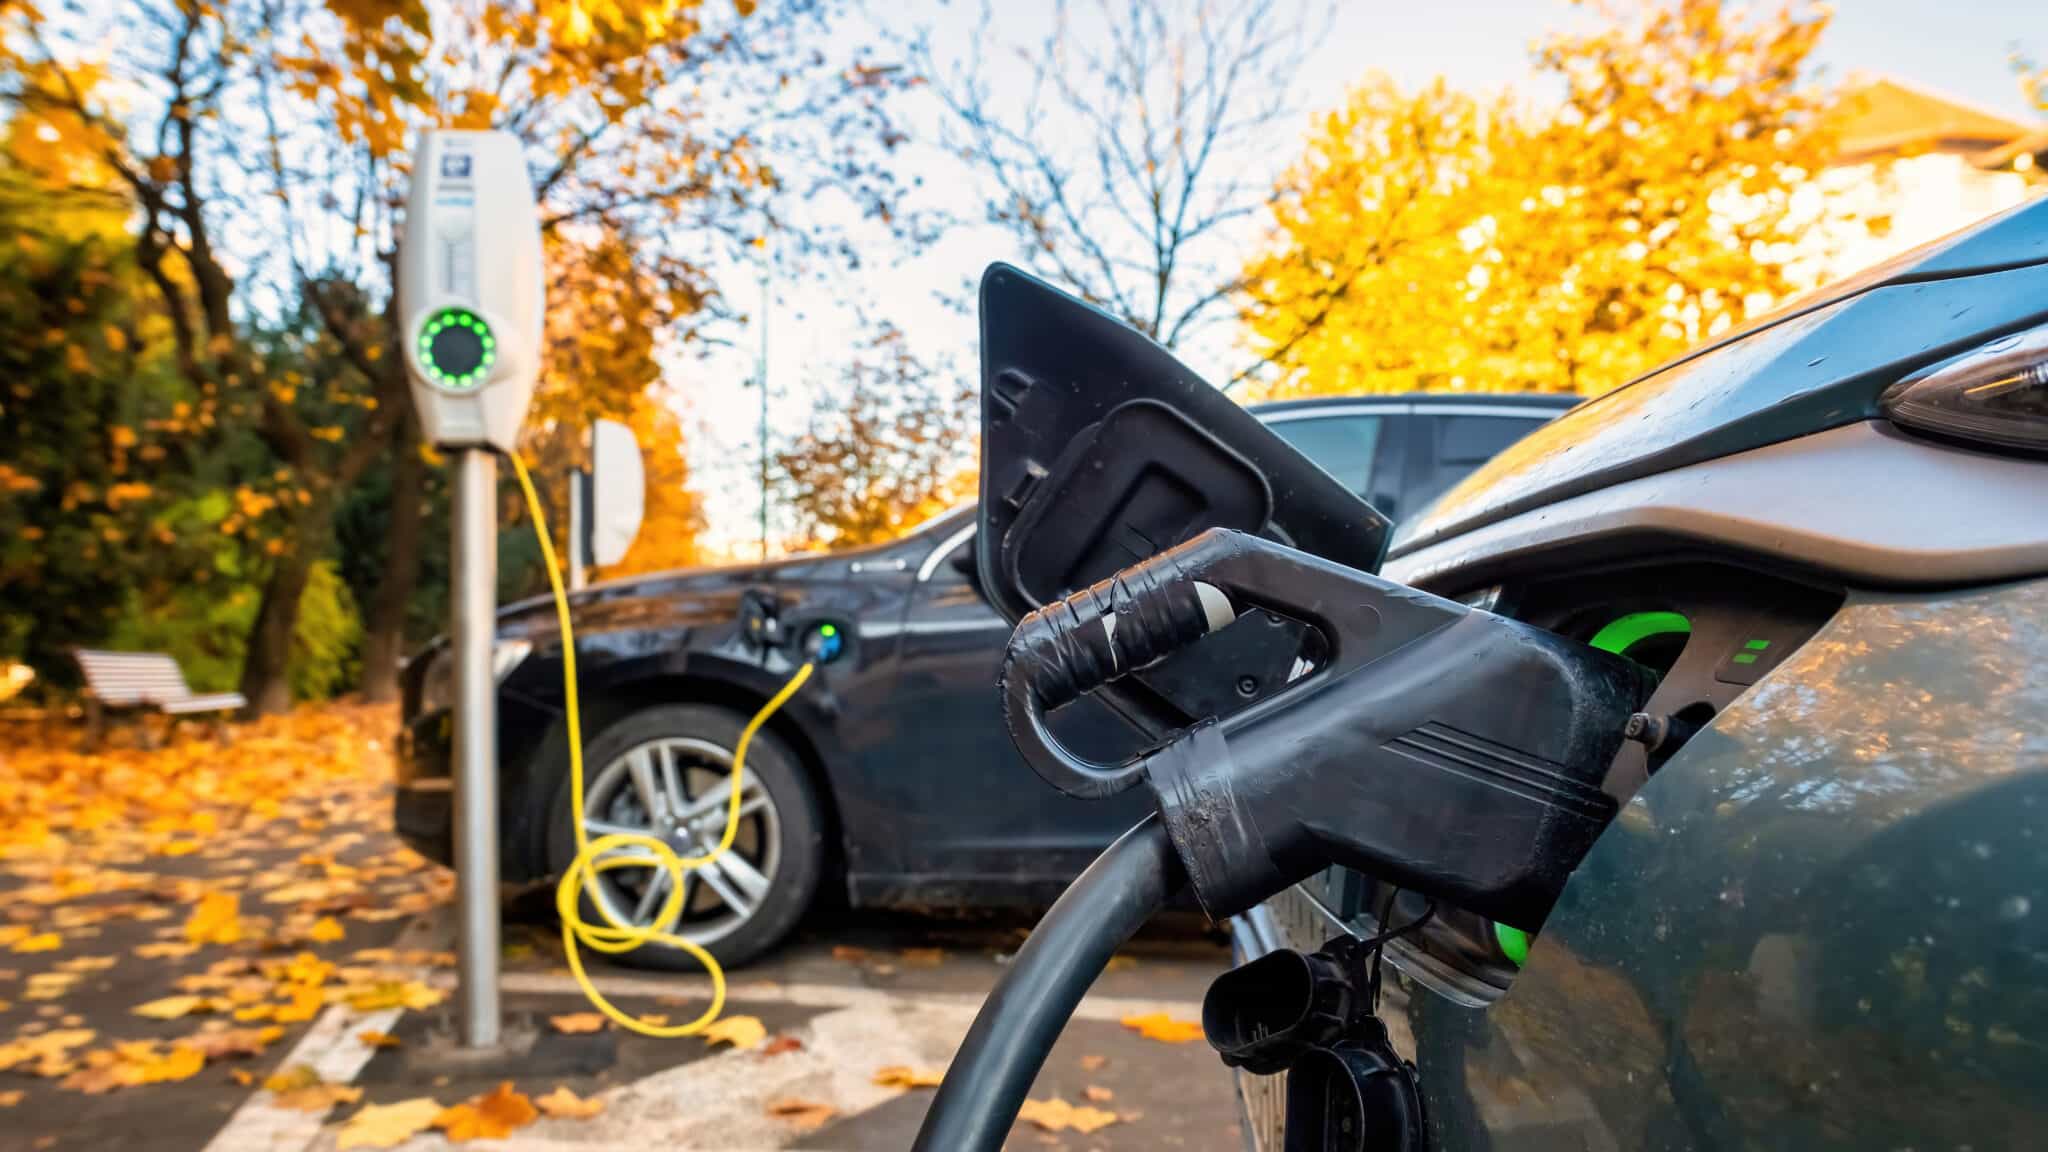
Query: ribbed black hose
x=1015, y=1030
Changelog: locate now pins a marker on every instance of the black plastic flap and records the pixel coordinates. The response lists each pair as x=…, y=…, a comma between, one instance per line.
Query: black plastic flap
x=1099, y=450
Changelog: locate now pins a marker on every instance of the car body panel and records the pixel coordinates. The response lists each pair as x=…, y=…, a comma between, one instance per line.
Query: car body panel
x=1799, y=504
x=1824, y=924
x=1815, y=369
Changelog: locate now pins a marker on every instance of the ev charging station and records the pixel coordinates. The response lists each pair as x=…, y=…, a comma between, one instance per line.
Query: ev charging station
x=471, y=300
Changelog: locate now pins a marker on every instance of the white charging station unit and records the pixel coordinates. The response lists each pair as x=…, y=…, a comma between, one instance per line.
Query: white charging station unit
x=471, y=299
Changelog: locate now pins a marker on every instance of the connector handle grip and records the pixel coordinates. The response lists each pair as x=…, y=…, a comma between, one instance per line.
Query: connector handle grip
x=1146, y=613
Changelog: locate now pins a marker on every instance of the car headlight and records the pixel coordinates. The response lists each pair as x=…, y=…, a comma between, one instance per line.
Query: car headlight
x=437, y=688
x=1995, y=397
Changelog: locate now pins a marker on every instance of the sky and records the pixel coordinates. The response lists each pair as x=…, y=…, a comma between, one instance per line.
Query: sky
x=1959, y=47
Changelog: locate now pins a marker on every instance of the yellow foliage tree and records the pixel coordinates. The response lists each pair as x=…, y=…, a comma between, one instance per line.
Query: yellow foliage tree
x=889, y=452
x=1439, y=240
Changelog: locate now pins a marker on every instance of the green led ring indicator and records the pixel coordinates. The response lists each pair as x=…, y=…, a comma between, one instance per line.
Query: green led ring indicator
x=1621, y=635
x=457, y=349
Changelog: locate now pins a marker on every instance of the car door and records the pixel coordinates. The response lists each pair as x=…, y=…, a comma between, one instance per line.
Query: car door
x=979, y=821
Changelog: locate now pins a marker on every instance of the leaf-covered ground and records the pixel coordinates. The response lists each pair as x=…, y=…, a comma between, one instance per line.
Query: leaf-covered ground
x=172, y=919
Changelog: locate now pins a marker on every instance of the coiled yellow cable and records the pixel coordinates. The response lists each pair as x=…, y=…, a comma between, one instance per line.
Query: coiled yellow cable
x=612, y=936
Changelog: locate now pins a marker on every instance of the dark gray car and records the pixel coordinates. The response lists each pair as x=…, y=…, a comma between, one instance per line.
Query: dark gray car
x=1820, y=919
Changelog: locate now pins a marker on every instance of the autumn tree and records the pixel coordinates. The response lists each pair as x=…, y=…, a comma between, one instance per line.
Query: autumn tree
x=1441, y=240
x=890, y=449
x=261, y=146
x=663, y=136
x=1121, y=167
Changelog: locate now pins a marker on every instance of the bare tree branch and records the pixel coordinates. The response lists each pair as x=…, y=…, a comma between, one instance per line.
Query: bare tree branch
x=1126, y=160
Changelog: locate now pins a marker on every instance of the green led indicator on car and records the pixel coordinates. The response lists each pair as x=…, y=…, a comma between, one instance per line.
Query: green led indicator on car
x=457, y=349
x=1625, y=633
x=1514, y=943
x=829, y=630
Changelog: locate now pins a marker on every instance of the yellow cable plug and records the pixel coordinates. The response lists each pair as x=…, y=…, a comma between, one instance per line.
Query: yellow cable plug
x=612, y=936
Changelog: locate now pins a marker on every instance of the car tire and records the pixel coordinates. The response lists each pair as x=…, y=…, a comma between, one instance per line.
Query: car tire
x=799, y=850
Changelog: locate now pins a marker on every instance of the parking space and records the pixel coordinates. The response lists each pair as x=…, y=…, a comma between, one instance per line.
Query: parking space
x=262, y=987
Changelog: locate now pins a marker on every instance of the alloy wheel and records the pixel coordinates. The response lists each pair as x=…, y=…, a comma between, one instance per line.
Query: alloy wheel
x=677, y=789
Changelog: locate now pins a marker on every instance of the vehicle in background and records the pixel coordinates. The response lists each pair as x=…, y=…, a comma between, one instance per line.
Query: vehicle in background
x=892, y=775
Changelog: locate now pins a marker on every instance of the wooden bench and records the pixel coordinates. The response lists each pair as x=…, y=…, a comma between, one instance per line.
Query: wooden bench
x=124, y=681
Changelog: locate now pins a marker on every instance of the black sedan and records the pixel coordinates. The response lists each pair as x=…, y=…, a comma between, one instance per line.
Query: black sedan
x=891, y=774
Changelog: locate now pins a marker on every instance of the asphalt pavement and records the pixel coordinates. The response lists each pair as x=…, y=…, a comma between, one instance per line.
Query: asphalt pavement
x=854, y=995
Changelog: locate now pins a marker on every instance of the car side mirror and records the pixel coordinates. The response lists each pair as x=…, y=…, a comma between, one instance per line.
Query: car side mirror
x=1100, y=450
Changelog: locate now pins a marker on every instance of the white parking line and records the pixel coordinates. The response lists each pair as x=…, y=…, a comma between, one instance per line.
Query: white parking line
x=330, y=1048
x=813, y=995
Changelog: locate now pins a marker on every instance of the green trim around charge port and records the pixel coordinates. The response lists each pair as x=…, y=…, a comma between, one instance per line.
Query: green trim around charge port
x=1621, y=635
x=1513, y=942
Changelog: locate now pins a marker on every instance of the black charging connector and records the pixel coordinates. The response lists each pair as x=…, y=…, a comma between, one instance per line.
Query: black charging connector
x=1450, y=751
x=1262, y=1015
x=1355, y=1096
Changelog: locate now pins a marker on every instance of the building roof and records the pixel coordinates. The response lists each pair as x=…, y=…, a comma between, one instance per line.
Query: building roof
x=1886, y=116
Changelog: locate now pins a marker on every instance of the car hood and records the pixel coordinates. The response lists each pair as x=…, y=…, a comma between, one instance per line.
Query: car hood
x=1820, y=363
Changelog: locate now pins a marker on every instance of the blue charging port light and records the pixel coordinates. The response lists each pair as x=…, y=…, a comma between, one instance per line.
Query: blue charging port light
x=825, y=643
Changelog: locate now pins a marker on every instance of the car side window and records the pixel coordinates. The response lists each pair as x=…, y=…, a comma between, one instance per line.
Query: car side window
x=1343, y=446
x=1462, y=444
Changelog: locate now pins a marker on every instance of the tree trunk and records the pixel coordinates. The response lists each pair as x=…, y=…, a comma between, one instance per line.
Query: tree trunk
x=266, y=664
x=384, y=643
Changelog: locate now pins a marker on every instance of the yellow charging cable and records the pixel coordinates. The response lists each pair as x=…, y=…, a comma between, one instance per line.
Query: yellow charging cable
x=591, y=855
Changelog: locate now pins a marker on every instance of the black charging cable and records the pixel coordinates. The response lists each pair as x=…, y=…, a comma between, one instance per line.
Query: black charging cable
x=1015, y=1030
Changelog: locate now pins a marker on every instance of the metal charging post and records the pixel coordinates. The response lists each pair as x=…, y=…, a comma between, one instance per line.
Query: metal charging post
x=474, y=580
x=470, y=292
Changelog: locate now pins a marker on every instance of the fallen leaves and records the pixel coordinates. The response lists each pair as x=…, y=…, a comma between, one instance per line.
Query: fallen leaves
x=317, y=1097
x=44, y=1055
x=923, y=957
x=173, y=1007
x=491, y=1116
x=409, y=994
x=221, y=1043
x=371, y=1038
x=577, y=1023
x=1163, y=1028
x=904, y=1076
x=739, y=1031
x=388, y=1125
x=1093, y=1063
x=217, y=920
x=279, y=839
x=134, y=1063
x=779, y=1045
x=802, y=1115
x=566, y=1105
x=1095, y=1094
x=1056, y=1115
